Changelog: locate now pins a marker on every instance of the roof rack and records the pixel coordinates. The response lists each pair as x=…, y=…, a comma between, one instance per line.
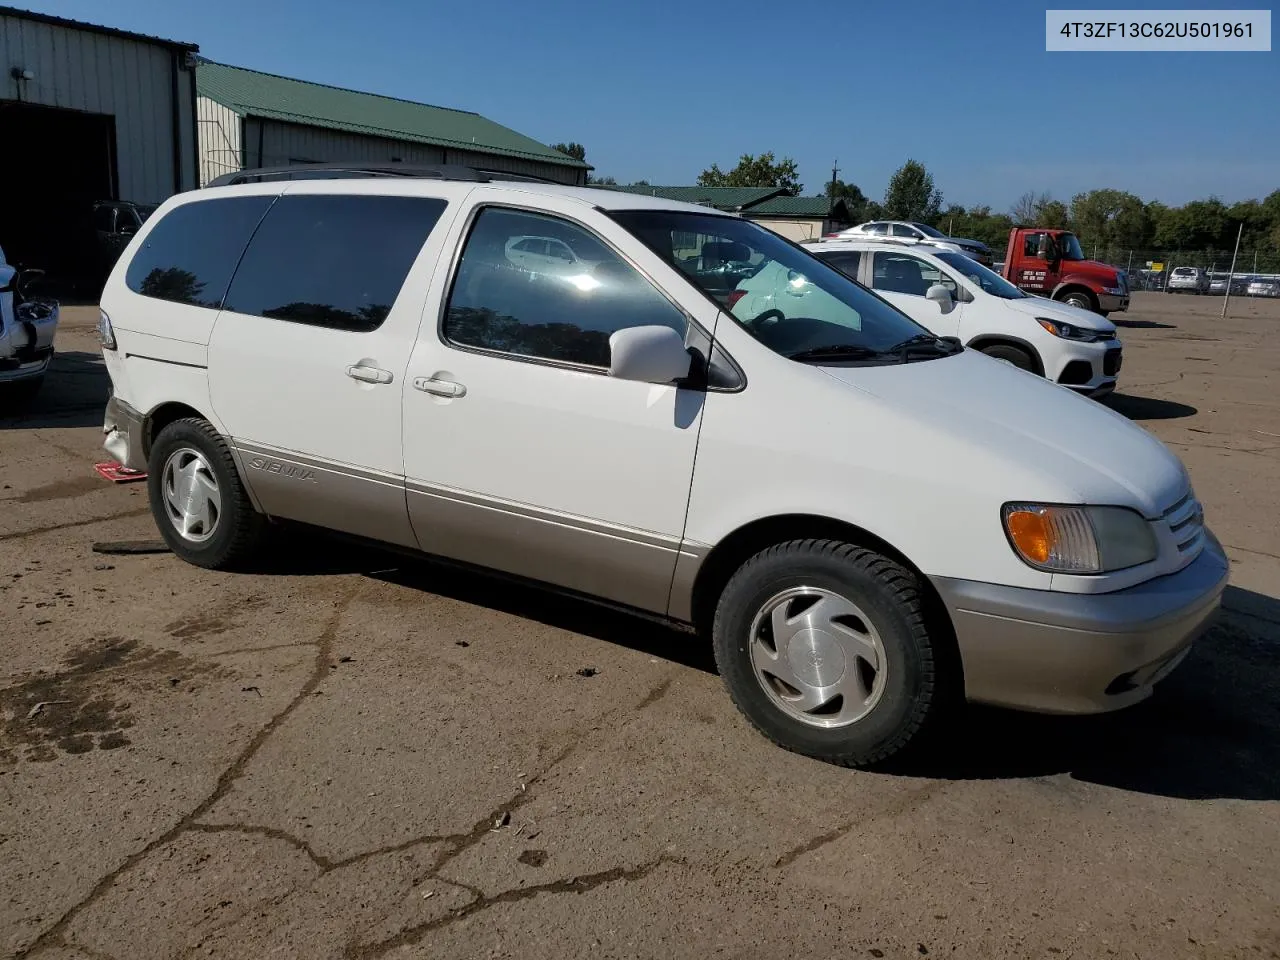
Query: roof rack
x=336, y=171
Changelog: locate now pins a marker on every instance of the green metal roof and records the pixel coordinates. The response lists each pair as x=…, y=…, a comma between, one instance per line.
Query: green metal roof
x=250, y=93
x=792, y=207
x=722, y=198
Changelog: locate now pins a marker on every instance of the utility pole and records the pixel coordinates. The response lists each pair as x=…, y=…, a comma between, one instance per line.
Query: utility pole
x=1226, y=297
x=831, y=191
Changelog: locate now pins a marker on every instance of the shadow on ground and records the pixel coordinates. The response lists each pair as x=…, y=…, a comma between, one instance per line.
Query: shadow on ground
x=1212, y=730
x=1149, y=408
x=74, y=394
x=1140, y=324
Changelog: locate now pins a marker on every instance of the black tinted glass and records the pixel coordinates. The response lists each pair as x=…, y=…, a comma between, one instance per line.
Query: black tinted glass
x=559, y=303
x=846, y=262
x=189, y=256
x=332, y=261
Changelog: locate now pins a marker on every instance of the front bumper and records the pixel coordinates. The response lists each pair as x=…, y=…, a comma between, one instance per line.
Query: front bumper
x=1080, y=653
x=1109, y=303
x=123, y=427
x=26, y=341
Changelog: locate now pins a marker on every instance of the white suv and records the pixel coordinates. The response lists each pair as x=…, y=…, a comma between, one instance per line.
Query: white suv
x=956, y=297
x=869, y=522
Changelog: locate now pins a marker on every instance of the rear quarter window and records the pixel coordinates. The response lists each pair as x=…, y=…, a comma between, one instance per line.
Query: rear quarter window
x=332, y=261
x=190, y=255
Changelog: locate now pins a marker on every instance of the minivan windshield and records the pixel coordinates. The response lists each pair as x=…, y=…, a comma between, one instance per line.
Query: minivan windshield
x=786, y=298
x=990, y=281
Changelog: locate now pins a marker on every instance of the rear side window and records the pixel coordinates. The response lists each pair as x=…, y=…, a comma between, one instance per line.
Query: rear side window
x=332, y=261
x=189, y=256
x=879, y=229
x=846, y=261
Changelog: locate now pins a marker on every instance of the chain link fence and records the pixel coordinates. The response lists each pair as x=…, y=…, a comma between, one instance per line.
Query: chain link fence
x=1151, y=269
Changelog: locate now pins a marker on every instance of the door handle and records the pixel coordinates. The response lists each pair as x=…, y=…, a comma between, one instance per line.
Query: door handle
x=369, y=374
x=439, y=388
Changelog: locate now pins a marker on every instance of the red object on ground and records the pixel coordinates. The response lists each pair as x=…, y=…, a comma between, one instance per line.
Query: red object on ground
x=117, y=474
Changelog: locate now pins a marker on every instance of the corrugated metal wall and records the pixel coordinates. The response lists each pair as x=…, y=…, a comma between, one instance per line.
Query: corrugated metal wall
x=220, y=144
x=128, y=79
x=271, y=143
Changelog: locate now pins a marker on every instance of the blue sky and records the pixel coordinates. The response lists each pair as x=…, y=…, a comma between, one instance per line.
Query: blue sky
x=660, y=91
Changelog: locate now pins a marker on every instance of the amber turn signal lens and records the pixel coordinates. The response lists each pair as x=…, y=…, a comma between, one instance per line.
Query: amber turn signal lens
x=1032, y=534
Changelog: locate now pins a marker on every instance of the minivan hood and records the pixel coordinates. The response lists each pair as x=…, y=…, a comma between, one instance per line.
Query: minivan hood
x=1101, y=456
x=1034, y=306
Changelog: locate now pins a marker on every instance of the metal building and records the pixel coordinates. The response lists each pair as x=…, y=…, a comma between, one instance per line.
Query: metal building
x=253, y=119
x=87, y=113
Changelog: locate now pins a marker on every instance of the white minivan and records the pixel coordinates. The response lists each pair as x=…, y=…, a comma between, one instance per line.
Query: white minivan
x=954, y=296
x=869, y=522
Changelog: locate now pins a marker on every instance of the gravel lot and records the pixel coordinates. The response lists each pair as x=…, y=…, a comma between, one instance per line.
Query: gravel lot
x=354, y=755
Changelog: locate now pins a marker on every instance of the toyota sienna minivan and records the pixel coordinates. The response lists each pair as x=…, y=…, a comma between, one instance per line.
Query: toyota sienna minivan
x=869, y=522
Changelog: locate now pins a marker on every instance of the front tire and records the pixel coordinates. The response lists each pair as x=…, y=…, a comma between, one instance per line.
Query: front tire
x=198, y=499
x=1081, y=300
x=1011, y=354
x=825, y=649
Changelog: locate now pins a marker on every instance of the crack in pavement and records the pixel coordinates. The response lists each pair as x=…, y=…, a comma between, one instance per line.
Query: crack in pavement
x=1258, y=553
x=36, y=531
x=899, y=805
x=579, y=884
x=269, y=647
x=319, y=671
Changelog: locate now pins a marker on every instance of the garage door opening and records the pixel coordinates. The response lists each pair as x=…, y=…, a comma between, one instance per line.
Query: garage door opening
x=55, y=164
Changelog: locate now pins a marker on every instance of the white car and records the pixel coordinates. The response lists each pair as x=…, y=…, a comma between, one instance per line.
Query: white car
x=27, y=328
x=1264, y=287
x=1188, y=280
x=908, y=231
x=869, y=523
x=956, y=297
x=541, y=254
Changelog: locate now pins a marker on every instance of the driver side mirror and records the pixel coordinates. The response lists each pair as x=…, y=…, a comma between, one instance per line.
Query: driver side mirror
x=941, y=296
x=651, y=354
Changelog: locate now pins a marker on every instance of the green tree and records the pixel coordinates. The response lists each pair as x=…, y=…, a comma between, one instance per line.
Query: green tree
x=1111, y=219
x=853, y=197
x=575, y=150
x=911, y=194
x=755, y=171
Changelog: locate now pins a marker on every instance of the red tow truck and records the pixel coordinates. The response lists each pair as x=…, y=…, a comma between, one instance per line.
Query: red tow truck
x=1050, y=263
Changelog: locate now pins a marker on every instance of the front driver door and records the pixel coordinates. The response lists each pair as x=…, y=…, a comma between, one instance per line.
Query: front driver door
x=903, y=280
x=522, y=454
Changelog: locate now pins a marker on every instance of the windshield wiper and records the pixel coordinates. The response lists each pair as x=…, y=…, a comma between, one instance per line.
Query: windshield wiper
x=948, y=345
x=836, y=351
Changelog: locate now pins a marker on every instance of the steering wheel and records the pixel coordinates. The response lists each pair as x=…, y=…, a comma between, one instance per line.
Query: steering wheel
x=760, y=319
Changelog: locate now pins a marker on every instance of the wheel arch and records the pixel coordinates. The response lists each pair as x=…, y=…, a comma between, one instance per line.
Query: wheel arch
x=161, y=417
x=739, y=546
x=1073, y=286
x=982, y=341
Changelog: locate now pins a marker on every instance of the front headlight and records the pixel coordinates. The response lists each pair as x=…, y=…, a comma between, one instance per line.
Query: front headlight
x=1068, y=331
x=1064, y=539
x=1114, y=291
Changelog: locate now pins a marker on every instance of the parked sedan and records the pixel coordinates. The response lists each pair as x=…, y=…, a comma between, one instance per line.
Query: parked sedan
x=1218, y=284
x=1264, y=287
x=912, y=231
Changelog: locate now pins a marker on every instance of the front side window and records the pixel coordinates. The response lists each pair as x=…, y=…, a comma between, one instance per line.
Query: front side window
x=785, y=297
x=189, y=256
x=901, y=273
x=560, y=304
x=332, y=261
x=879, y=229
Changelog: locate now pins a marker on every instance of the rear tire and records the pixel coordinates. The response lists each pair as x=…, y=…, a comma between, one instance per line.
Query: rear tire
x=1011, y=354
x=825, y=649
x=198, y=499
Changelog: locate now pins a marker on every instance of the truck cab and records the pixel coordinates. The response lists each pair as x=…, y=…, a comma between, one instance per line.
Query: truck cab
x=1051, y=263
